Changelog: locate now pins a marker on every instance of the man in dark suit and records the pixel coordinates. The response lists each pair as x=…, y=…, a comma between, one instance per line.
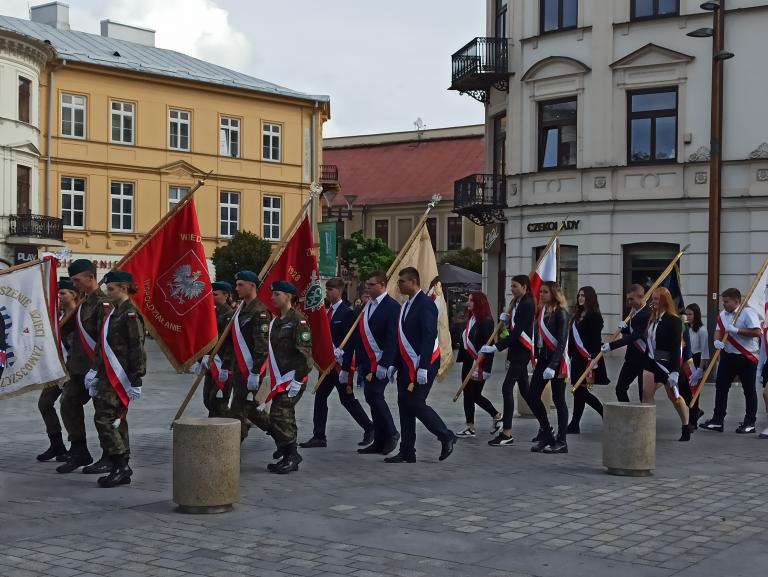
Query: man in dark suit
x=341, y=317
x=374, y=348
x=632, y=337
x=417, y=367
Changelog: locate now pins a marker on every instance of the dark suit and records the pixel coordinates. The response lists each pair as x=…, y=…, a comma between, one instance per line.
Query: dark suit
x=420, y=328
x=635, y=357
x=342, y=320
x=383, y=325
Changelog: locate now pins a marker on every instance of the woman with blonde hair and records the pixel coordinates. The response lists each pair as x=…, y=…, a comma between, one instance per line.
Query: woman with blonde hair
x=665, y=333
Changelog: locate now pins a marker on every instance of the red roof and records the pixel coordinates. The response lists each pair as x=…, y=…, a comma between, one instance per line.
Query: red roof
x=405, y=171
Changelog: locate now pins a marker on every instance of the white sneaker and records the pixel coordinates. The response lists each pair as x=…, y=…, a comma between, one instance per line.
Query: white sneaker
x=496, y=426
x=466, y=433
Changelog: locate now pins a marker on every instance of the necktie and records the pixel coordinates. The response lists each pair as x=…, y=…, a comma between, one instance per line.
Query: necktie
x=330, y=313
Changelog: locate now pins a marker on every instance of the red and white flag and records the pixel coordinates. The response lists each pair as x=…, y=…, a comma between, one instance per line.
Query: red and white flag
x=546, y=269
x=759, y=302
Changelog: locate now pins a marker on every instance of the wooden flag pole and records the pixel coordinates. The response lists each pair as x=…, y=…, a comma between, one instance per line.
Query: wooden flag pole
x=393, y=267
x=716, y=356
x=203, y=372
x=495, y=335
x=646, y=298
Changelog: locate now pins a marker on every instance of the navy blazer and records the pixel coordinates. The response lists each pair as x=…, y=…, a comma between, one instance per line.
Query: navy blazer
x=383, y=323
x=636, y=331
x=420, y=328
x=341, y=322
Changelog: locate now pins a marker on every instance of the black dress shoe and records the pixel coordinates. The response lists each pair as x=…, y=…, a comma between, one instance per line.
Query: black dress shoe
x=447, y=447
x=367, y=438
x=546, y=438
x=373, y=449
x=400, y=458
x=100, y=467
x=573, y=429
x=313, y=443
x=390, y=444
x=558, y=447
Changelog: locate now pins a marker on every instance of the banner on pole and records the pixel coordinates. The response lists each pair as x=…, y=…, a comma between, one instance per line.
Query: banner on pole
x=328, y=248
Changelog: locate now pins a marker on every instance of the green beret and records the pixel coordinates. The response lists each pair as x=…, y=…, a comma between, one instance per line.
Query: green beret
x=65, y=283
x=247, y=275
x=81, y=265
x=118, y=276
x=283, y=287
x=221, y=285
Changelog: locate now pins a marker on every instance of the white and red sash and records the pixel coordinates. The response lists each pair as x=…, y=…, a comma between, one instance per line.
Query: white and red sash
x=524, y=338
x=652, y=356
x=216, y=367
x=280, y=381
x=583, y=352
x=116, y=374
x=734, y=341
x=372, y=349
x=242, y=352
x=89, y=344
x=62, y=348
x=469, y=346
x=551, y=343
x=410, y=358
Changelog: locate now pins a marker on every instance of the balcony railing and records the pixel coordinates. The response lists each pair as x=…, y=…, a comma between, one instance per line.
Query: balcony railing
x=36, y=226
x=482, y=63
x=329, y=175
x=481, y=198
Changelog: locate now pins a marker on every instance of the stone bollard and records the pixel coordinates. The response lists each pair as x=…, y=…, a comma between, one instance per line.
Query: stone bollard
x=523, y=410
x=629, y=439
x=206, y=464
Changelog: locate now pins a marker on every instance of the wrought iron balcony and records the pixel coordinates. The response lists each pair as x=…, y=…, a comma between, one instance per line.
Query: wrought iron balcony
x=329, y=176
x=482, y=63
x=36, y=226
x=481, y=198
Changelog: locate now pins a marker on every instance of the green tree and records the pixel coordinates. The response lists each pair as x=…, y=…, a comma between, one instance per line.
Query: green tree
x=244, y=251
x=466, y=258
x=362, y=255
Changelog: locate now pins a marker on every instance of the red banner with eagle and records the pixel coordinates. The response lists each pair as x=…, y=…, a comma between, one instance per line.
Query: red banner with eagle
x=175, y=296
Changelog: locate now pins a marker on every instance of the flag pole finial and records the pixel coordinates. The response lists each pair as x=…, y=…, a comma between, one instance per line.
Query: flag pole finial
x=315, y=190
x=436, y=198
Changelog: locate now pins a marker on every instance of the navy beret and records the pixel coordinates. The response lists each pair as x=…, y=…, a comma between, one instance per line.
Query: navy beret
x=221, y=285
x=283, y=287
x=118, y=276
x=65, y=283
x=247, y=275
x=81, y=265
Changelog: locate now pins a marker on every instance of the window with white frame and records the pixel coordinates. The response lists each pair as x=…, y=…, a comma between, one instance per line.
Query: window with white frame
x=271, y=141
x=178, y=129
x=122, y=122
x=229, y=211
x=272, y=206
x=229, y=137
x=121, y=200
x=73, y=115
x=73, y=202
x=176, y=194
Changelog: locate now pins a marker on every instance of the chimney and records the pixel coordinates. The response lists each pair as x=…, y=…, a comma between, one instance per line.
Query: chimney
x=135, y=34
x=54, y=14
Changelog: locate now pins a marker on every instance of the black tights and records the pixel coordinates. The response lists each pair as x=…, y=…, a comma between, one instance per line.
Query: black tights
x=473, y=395
x=516, y=374
x=582, y=397
x=558, y=397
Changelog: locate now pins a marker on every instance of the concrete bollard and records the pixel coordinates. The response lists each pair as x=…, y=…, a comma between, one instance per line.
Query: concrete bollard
x=523, y=410
x=206, y=464
x=629, y=439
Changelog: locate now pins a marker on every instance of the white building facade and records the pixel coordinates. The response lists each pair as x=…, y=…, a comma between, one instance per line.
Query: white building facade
x=603, y=120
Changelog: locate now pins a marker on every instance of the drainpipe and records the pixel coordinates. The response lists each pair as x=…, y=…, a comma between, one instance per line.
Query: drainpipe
x=49, y=137
x=313, y=148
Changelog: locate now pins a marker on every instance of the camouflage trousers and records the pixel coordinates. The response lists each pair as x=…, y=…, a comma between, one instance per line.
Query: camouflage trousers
x=108, y=408
x=280, y=421
x=73, y=399
x=46, y=406
x=239, y=406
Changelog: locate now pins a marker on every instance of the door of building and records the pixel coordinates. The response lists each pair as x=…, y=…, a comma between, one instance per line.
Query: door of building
x=644, y=262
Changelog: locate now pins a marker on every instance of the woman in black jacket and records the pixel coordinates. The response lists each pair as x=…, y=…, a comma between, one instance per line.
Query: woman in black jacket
x=518, y=338
x=583, y=345
x=552, y=367
x=479, y=328
x=665, y=333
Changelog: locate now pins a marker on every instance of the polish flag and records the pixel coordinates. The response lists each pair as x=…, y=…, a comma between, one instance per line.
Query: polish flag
x=546, y=269
x=759, y=302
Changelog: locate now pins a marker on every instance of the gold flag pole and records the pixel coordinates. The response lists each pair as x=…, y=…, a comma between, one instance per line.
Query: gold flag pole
x=646, y=298
x=495, y=335
x=393, y=267
x=716, y=356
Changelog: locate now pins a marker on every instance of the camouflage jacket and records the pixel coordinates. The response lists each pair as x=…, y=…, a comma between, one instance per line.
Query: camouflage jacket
x=254, y=324
x=68, y=330
x=223, y=314
x=126, y=337
x=91, y=315
x=291, y=343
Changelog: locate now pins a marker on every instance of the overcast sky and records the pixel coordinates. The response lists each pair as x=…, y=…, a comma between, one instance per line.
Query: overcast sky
x=383, y=63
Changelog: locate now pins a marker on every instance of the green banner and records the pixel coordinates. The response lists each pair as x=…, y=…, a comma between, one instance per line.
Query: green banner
x=327, y=232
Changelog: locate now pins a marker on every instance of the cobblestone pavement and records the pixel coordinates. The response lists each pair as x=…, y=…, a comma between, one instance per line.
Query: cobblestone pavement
x=486, y=511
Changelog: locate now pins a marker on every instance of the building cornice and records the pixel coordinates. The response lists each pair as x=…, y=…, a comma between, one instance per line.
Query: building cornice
x=26, y=48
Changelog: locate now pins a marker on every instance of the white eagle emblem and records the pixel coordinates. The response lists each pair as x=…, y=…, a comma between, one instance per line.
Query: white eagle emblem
x=184, y=285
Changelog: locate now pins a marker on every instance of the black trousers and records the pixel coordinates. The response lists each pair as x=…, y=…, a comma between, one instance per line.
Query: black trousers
x=629, y=372
x=558, y=397
x=347, y=399
x=582, y=397
x=381, y=416
x=473, y=395
x=413, y=405
x=517, y=374
x=45, y=404
x=733, y=365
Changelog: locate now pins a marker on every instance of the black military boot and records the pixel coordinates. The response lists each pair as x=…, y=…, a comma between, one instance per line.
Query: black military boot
x=290, y=462
x=103, y=465
x=546, y=438
x=55, y=449
x=120, y=475
x=79, y=457
x=64, y=457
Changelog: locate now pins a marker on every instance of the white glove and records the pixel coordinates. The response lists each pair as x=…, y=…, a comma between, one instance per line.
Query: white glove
x=622, y=325
x=223, y=375
x=486, y=376
x=719, y=345
x=731, y=329
x=90, y=379
x=504, y=317
x=92, y=390
x=204, y=362
x=343, y=377
x=381, y=372
x=196, y=368
x=489, y=349
x=134, y=393
x=605, y=347
x=391, y=373
x=548, y=374
x=339, y=354
x=421, y=376
x=293, y=389
x=673, y=378
x=696, y=376
x=254, y=382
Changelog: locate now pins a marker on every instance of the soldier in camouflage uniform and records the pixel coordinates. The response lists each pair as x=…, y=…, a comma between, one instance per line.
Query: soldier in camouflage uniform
x=87, y=325
x=291, y=355
x=214, y=399
x=68, y=296
x=249, y=336
x=124, y=334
